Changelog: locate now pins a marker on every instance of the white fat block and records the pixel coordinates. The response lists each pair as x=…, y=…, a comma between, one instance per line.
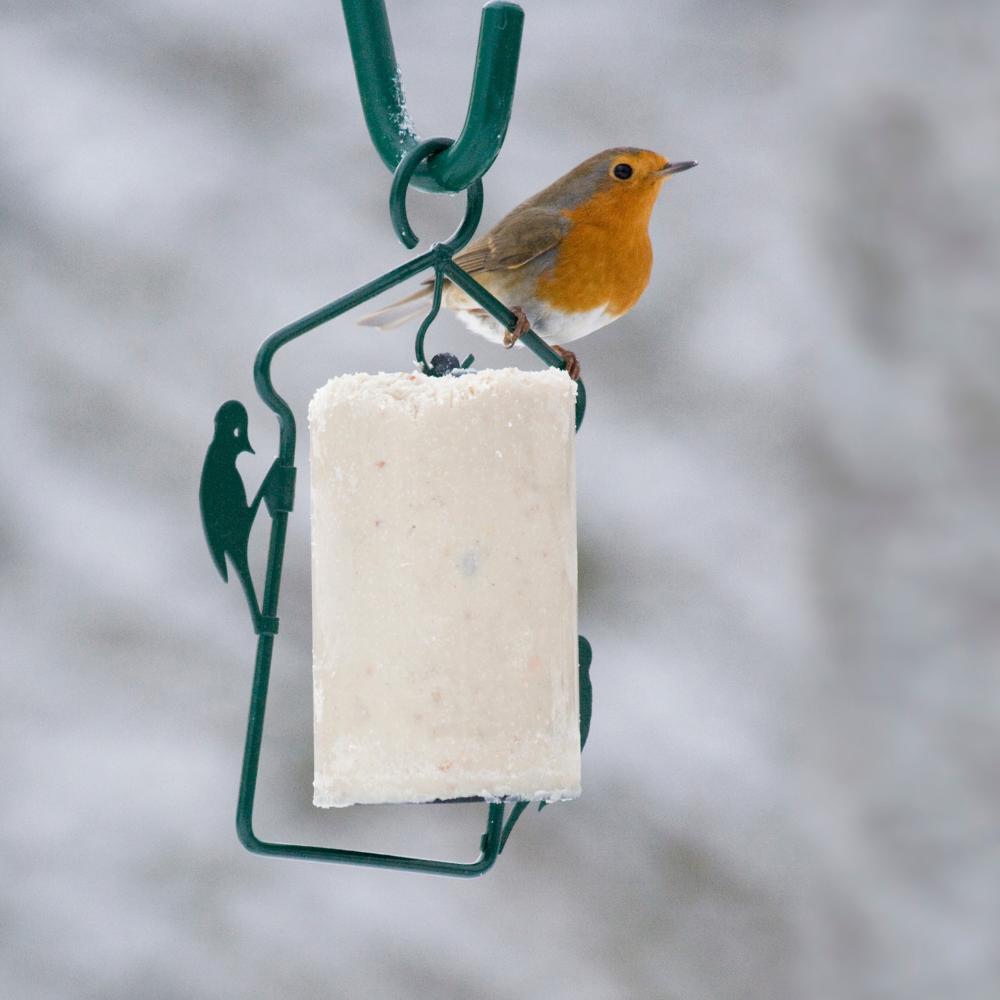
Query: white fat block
x=444, y=587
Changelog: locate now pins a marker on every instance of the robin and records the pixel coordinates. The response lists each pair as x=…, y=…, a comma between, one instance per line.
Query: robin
x=568, y=261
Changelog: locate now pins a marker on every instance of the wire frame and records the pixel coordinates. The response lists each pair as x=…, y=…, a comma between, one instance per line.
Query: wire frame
x=278, y=492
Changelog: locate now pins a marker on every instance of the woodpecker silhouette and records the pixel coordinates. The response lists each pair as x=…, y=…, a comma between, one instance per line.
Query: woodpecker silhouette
x=225, y=513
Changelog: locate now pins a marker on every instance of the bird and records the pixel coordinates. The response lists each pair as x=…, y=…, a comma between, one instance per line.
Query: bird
x=567, y=261
x=585, y=656
x=226, y=516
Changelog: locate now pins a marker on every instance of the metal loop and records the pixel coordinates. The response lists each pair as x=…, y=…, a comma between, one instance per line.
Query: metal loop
x=384, y=103
x=397, y=198
x=435, y=308
x=418, y=347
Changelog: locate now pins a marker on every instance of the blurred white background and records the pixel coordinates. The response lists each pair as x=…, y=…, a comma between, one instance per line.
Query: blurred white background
x=788, y=502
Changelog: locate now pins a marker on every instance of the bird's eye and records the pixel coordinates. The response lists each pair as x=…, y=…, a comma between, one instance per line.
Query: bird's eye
x=622, y=171
x=236, y=432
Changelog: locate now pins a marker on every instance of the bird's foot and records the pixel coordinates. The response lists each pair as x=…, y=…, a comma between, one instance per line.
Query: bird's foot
x=521, y=327
x=570, y=362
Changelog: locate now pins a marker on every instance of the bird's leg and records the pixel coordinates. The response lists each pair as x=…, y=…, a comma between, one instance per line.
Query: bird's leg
x=521, y=327
x=569, y=359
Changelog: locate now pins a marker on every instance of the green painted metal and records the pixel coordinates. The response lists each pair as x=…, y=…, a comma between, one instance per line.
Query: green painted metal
x=404, y=176
x=384, y=101
x=433, y=164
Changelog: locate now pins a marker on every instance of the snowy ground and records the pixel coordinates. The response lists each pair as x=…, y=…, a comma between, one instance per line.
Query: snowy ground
x=788, y=482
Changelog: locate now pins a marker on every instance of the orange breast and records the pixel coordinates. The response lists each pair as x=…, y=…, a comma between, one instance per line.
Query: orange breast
x=606, y=257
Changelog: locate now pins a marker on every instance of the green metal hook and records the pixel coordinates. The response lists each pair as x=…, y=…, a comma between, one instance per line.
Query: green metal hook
x=384, y=103
x=401, y=180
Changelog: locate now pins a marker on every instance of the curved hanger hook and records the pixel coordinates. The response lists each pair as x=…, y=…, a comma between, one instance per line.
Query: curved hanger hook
x=404, y=176
x=384, y=103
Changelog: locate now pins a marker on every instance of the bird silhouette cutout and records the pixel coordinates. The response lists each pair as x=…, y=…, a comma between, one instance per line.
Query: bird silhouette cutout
x=585, y=657
x=225, y=513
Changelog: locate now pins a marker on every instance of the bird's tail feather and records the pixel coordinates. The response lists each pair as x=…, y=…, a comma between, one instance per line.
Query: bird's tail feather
x=392, y=316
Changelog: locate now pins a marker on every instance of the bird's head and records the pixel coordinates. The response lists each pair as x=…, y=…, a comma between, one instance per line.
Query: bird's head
x=617, y=184
x=231, y=427
x=635, y=170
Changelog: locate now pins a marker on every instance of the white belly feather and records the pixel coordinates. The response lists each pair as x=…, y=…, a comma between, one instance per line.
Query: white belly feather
x=553, y=326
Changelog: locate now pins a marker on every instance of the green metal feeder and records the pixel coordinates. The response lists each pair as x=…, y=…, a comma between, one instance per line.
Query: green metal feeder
x=437, y=164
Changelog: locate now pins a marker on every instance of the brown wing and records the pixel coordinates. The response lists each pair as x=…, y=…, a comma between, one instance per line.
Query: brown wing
x=519, y=237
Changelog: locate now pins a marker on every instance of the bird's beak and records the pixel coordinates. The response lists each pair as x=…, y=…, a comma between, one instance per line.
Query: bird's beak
x=248, y=447
x=675, y=168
